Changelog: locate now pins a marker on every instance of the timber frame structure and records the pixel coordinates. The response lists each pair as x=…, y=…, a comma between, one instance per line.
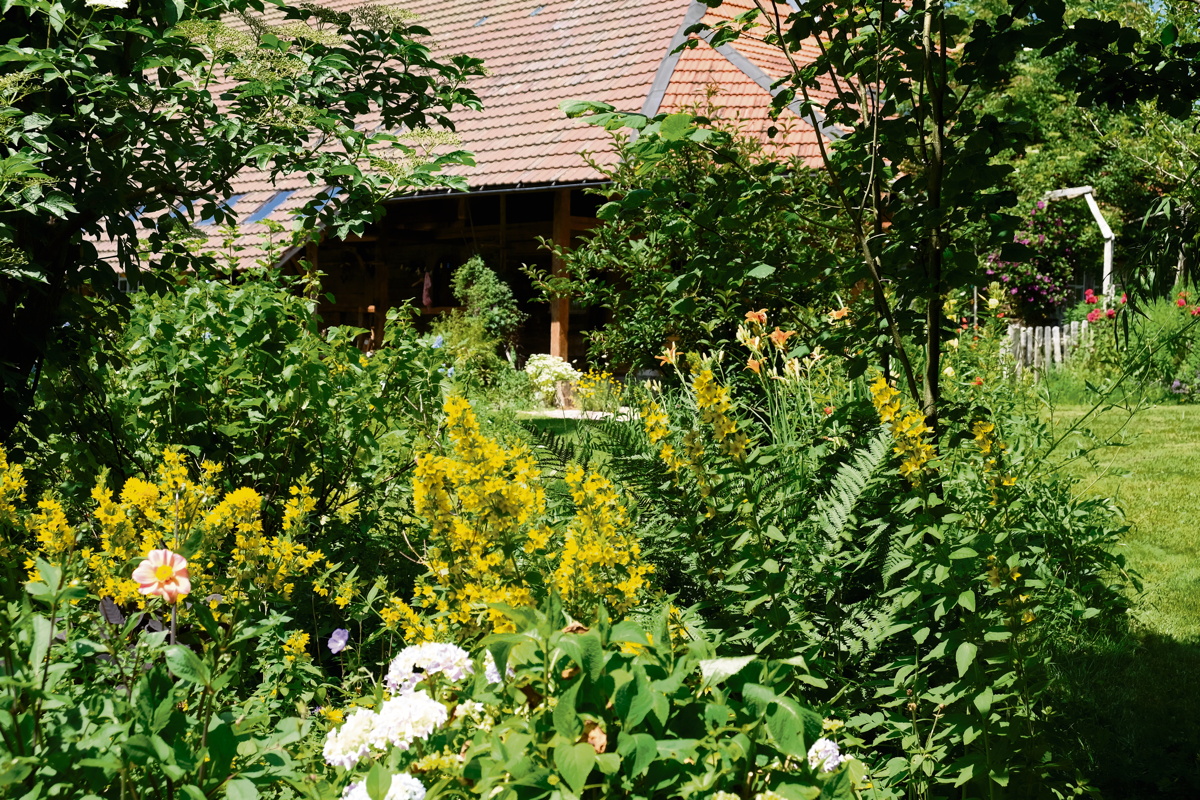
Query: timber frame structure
x=530, y=178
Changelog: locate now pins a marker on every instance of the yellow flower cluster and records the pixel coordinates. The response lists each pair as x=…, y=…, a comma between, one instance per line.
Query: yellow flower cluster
x=297, y=508
x=397, y=614
x=12, y=489
x=227, y=550
x=597, y=389
x=296, y=646
x=992, y=448
x=490, y=542
x=714, y=403
x=54, y=534
x=909, y=430
x=600, y=561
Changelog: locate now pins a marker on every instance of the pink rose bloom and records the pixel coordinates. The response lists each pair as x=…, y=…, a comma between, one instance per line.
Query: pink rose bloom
x=163, y=574
x=1093, y=315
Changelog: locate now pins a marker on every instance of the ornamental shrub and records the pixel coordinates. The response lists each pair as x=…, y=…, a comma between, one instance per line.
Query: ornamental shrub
x=546, y=371
x=488, y=299
x=120, y=690
x=553, y=708
x=493, y=541
x=242, y=377
x=926, y=587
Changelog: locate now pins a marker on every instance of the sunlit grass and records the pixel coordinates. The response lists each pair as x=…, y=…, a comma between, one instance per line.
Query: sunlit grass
x=1129, y=694
x=1154, y=473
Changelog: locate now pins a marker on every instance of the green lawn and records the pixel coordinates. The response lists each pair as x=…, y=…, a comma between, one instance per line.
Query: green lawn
x=1155, y=475
x=1135, y=693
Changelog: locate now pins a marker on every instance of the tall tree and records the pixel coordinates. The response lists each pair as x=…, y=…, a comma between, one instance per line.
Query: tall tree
x=915, y=164
x=126, y=113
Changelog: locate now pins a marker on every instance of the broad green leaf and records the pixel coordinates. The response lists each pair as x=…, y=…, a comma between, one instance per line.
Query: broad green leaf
x=186, y=665
x=641, y=747
x=965, y=656
x=967, y=600
x=715, y=670
x=379, y=781
x=675, y=126
x=574, y=763
x=242, y=789
x=983, y=700
x=761, y=271
x=566, y=720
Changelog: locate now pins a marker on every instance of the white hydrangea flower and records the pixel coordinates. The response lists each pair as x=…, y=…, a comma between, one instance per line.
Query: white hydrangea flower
x=404, y=787
x=345, y=745
x=413, y=663
x=489, y=668
x=824, y=755
x=405, y=719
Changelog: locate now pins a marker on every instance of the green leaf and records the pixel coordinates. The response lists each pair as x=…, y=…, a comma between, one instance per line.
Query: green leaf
x=965, y=656
x=187, y=665
x=609, y=763
x=761, y=271
x=967, y=600
x=379, y=781
x=42, y=632
x=574, y=763
x=715, y=670
x=242, y=789
x=983, y=700
x=566, y=720
x=675, y=126
x=643, y=749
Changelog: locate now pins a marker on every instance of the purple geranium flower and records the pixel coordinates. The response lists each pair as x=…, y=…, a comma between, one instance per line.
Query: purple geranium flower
x=339, y=640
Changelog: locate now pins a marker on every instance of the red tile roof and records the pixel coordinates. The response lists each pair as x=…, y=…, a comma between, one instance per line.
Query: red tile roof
x=540, y=53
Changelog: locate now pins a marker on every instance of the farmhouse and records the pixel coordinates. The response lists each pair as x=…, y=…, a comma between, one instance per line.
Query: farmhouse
x=530, y=176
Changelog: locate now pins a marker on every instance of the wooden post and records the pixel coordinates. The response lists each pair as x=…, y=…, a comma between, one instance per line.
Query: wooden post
x=1014, y=344
x=1048, y=346
x=560, y=309
x=1058, y=345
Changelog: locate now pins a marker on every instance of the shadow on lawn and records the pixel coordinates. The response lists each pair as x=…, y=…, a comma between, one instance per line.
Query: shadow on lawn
x=1131, y=715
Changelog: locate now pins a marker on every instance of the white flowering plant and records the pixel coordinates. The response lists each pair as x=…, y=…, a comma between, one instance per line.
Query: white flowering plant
x=546, y=371
x=555, y=709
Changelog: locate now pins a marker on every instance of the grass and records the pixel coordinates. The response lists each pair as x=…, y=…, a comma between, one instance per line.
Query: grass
x=1133, y=694
x=1154, y=473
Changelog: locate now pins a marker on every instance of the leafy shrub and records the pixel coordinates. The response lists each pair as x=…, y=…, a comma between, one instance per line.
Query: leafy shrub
x=488, y=299
x=924, y=586
x=241, y=376
x=1156, y=348
x=556, y=709
x=185, y=682
x=1037, y=289
x=697, y=222
x=491, y=540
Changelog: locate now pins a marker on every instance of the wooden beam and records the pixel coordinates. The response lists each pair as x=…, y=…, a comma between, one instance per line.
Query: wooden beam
x=560, y=309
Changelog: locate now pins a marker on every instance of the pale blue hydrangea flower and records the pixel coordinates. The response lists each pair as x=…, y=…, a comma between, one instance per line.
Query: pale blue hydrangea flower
x=824, y=755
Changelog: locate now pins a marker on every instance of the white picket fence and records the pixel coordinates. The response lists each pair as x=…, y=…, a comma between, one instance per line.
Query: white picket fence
x=1040, y=348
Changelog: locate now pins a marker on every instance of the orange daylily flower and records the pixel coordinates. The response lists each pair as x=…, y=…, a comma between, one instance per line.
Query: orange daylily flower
x=778, y=338
x=841, y=312
x=759, y=316
x=754, y=366
x=669, y=356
